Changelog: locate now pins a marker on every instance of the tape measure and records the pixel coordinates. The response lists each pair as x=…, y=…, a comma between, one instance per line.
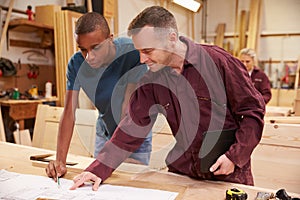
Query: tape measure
x=236, y=194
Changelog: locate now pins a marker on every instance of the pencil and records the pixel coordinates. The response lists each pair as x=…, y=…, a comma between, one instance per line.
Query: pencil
x=58, y=181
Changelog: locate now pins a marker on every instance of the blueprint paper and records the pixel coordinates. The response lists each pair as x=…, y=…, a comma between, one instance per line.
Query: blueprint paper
x=24, y=187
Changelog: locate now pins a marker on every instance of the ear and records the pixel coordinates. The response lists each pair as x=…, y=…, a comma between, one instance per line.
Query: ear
x=173, y=36
x=111, y=36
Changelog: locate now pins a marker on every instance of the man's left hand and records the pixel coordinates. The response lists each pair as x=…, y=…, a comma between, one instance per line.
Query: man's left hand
x=223, y=166
x=86, y=177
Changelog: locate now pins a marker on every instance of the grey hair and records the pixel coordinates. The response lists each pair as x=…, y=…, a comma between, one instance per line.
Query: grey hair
x=248, y=52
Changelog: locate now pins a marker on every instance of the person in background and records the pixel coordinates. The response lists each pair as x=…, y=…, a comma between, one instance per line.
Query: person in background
x=107, y=70
x=259, y=78
x=206, y=96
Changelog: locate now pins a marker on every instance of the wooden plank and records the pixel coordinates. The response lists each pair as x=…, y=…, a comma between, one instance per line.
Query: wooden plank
x=276, y=167
x=59, y=55
x=161, y=125
x=282, y=120
x=22, y=137
x=47, y=124
x=254, y=23
x=109, y=8
x=282, y=97
x=272, y=111
x=161, y=145
x=4, y=30
x=38, y=135
x=89, y=6
x=2, y=130
x=281, y=134
x=297, y=75
x=235, y=34
x=220, y=34
x=242, y=30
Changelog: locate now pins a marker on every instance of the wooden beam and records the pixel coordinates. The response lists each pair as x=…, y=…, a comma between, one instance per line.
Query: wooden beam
x=243, y=29
x=4, y=30
x=297, y=74
x=89, y=6
x=235, y=35
x=220, y=34
x=254, y=22
x=2, y=130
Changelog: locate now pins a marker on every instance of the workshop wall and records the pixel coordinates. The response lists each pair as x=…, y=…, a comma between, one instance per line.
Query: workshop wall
x=277, y=17
x=29, y=75
x=279, y=31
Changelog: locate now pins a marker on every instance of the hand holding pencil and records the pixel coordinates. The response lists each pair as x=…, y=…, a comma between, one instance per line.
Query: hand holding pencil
x=56, y=169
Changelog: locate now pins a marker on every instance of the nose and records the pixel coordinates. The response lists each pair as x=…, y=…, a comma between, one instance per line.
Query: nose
x=143, y=57
x=90, y=56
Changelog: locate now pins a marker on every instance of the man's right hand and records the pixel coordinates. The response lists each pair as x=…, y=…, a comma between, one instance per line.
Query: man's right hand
x=56, y=169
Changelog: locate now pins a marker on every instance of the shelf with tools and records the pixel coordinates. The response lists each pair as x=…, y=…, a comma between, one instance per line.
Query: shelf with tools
x=45, y=32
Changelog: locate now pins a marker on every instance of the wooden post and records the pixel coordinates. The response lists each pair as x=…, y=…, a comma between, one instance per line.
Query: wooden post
x=243, y=28
x=297, y=74
x=89, y=6
x=2, y=131
x=4, y=30
x=254, y=22
x=235, y=34
x=220, y=34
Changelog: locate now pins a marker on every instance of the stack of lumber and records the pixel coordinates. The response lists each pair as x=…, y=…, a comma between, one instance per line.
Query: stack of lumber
x=65, y=47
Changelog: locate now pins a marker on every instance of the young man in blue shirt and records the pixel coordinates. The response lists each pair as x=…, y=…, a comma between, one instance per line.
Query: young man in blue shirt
x=107, y=70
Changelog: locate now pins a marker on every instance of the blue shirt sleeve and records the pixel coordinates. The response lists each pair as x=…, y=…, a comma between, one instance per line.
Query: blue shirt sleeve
x=72, y=70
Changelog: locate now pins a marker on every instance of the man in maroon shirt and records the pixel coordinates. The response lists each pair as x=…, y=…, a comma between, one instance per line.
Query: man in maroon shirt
x=206, y=96
x=259, y=78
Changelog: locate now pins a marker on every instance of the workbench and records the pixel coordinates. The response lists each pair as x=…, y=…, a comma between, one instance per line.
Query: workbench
x=15, y=158
x=19, y=111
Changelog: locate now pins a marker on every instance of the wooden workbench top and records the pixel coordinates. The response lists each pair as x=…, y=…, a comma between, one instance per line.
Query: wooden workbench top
x=15, y=158
x=22, y=101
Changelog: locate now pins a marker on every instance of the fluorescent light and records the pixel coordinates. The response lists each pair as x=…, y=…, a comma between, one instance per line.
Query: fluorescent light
x=189, y=4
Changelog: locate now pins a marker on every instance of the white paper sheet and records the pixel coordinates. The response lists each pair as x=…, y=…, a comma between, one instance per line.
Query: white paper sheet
x=25, y=187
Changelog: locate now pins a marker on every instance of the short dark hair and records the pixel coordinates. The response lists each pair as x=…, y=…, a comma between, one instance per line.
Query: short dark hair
x=90, y=22
x=155, y=16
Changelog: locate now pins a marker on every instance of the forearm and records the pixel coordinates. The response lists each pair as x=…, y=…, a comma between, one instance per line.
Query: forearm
x=64, y=137
x=247, y=138
x=66, y=126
